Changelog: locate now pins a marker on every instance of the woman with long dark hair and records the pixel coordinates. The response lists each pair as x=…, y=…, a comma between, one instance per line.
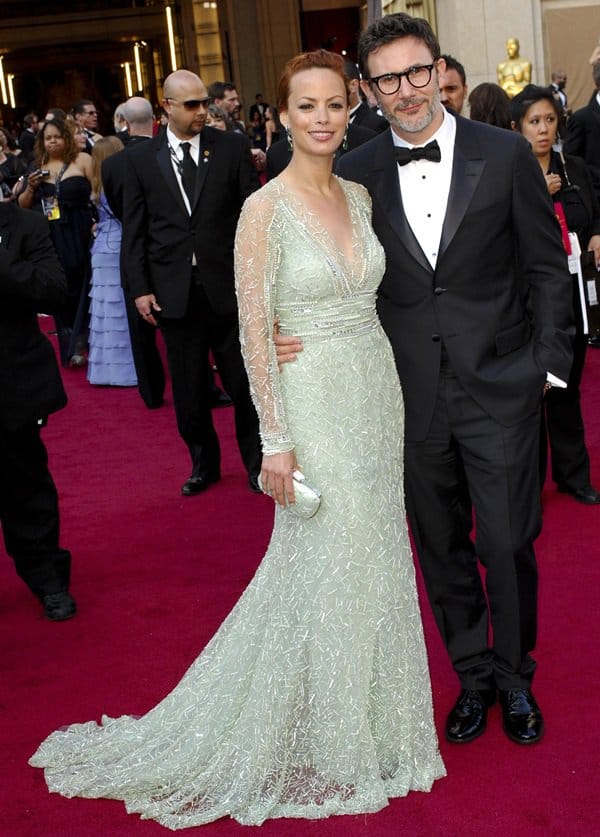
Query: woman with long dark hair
x=59, y=185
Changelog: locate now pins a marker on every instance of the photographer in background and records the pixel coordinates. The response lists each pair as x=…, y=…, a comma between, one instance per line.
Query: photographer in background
x=31, y=280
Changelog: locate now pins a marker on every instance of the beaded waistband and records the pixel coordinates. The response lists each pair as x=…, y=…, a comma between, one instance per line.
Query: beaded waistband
x=345, y=318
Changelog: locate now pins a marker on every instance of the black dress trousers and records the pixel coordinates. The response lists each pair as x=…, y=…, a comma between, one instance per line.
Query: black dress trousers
x=188, y=340
x=29, y=512
x=470, y=462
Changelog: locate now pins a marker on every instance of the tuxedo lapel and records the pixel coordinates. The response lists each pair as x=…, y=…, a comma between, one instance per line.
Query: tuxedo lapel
x=385, y=187
x=163, y=159
x=467, y=168
x=206, y=153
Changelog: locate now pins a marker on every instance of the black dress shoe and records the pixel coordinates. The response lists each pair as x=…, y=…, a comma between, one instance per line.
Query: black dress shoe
x=521, y=716
x=59, y=606
x=587, y=495
x=594, y=341
x=253, y=484
x=196, y=485
x=468, y=717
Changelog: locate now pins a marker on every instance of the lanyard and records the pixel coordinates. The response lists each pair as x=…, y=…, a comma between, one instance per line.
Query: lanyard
x=59, y=176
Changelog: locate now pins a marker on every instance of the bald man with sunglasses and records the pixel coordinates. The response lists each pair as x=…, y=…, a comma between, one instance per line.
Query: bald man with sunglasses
x=183, y=193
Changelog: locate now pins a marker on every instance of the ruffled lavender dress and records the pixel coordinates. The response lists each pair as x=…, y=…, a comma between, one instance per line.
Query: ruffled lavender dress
x=110, y=360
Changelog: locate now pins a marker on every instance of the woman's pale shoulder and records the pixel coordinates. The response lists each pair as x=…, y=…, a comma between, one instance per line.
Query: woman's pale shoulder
x=263, y=201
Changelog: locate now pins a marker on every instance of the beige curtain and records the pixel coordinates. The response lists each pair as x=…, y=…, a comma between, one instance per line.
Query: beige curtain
x=571, y=36
x=416, y=8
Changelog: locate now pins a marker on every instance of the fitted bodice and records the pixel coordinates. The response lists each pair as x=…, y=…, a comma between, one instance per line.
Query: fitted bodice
x=291, y=270
x=74, y=191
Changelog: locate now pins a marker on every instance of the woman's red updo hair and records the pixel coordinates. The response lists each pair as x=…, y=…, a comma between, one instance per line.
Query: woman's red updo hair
x=320, y=59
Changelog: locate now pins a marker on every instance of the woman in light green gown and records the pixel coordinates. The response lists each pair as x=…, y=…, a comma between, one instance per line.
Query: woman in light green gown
x=313, y=697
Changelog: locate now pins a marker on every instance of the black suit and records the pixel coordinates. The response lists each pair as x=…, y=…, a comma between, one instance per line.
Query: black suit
x=367, y=118
x=473, y=340
x=26, y=144
x=146, y=357
x=280, y=154
x=199, y=308
x=31, y=280
x=582, y=138
x=261, y=109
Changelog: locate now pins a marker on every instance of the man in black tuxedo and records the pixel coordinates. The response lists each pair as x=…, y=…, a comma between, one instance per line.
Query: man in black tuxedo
x=258, y=107
x=475, y=301
x=583, y=132
x=31, y=280
x=360, y=113
x=27, y=138
x=183, y=194
x=139, y=117
x=557, y=85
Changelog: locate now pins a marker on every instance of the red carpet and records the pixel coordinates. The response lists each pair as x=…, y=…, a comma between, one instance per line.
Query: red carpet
x=155, y=573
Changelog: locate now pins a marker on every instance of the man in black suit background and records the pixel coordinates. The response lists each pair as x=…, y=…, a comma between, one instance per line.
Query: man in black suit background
x=582, y=137
x=31, y=280
x=476, y=303
x=453, y=84
x=184, y=191
x=258, y=107
x=139, y=118
x=27, y=138
x=360, y=113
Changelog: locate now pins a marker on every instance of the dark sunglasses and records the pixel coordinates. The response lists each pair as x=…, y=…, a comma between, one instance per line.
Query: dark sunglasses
x=192, y=104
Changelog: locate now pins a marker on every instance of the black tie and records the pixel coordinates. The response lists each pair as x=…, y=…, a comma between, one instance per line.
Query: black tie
x=188, y=173
x=431, y=151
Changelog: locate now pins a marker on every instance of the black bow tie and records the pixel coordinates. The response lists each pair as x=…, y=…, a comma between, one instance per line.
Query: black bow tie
x=431, y=151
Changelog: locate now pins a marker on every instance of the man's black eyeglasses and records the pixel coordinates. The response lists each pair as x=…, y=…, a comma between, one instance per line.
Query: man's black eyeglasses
x=192, y=104
x=418, y=76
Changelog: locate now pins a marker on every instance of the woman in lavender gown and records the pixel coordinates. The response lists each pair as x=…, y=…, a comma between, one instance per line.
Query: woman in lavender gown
x=110, y=361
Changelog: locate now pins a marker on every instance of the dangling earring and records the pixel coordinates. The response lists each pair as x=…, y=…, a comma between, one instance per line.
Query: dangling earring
x=345, y=140
x=290, y=141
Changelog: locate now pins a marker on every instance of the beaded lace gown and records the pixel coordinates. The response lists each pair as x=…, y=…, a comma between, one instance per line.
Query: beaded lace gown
x=313, y=697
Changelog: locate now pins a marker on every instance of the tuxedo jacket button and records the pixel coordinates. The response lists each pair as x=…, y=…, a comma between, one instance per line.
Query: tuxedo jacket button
x=436, y=338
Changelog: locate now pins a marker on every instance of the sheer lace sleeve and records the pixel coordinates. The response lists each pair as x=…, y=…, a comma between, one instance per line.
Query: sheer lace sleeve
x=257, y=248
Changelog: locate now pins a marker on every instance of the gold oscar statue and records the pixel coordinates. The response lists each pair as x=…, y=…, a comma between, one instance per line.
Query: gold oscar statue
x=515, y=73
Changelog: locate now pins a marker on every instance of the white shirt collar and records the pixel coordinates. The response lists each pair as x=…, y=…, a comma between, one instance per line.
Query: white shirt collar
x=175, y=142
x=353, y=110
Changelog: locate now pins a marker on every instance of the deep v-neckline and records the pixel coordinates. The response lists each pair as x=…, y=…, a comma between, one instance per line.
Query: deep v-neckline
x=329, y=242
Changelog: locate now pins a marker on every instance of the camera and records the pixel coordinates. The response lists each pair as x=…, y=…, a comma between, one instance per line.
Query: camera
x=44, y=172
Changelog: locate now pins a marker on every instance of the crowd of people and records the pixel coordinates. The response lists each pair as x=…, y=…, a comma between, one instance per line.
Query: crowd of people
x=386, y=290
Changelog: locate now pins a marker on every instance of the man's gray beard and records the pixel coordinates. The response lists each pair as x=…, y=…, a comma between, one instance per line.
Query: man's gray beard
x=414, y=127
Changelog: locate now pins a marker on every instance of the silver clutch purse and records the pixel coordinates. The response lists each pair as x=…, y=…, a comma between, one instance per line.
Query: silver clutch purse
x=308, y=498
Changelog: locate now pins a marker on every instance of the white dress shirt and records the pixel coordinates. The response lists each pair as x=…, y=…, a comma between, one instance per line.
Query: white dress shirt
x=425, y=186
x=176, y=152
